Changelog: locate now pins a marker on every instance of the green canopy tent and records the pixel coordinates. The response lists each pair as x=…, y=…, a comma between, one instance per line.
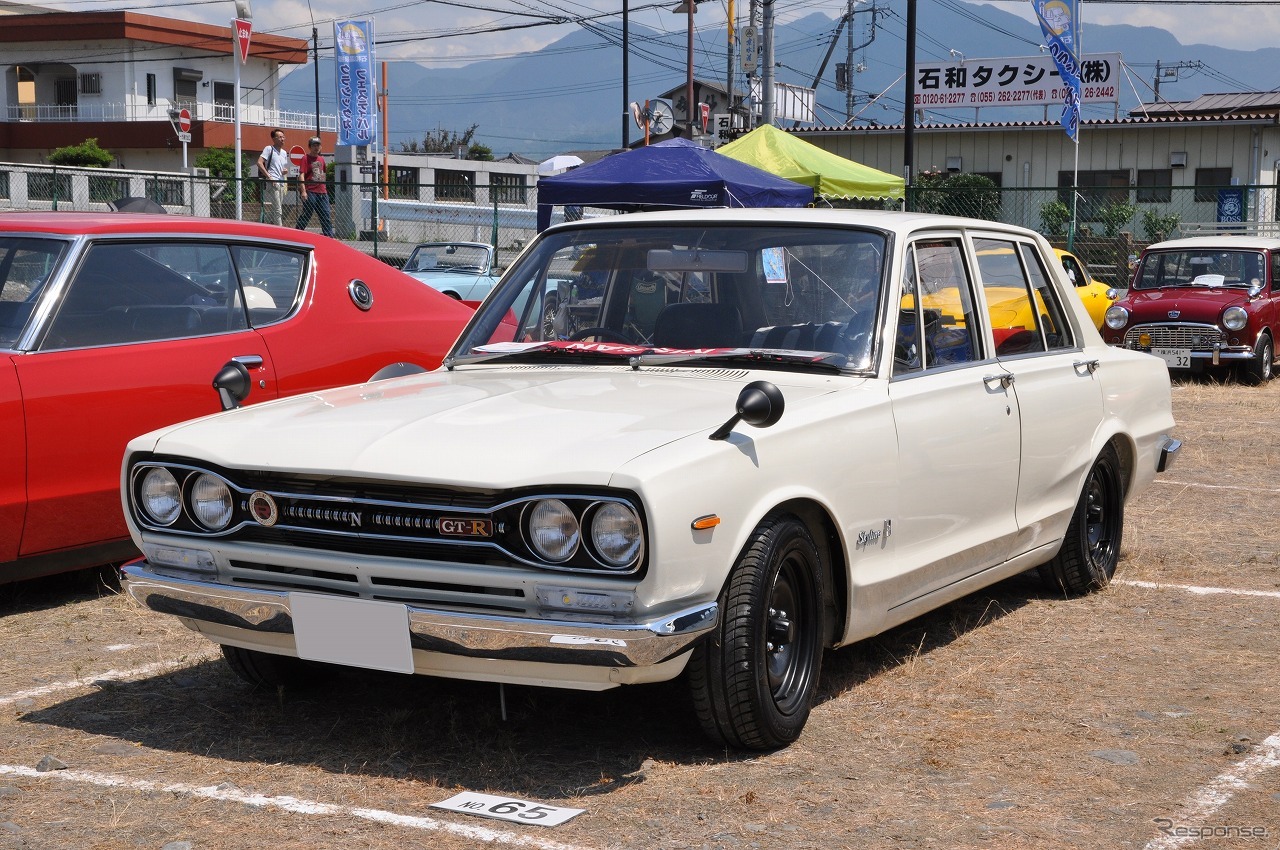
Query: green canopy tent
x=831, y=176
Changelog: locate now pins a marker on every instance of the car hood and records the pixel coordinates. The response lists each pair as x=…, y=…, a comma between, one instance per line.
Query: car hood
x=1203, y=304
x=498, y=427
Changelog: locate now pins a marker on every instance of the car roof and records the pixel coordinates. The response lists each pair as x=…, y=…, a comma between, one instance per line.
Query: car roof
x=900, y=222
x=1219, y=243
x=95, y=223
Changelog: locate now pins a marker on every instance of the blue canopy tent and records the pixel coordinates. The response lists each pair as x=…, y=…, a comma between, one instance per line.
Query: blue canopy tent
x=675, y=174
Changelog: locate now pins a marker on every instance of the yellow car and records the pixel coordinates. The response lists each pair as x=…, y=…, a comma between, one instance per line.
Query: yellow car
x=1096, y=295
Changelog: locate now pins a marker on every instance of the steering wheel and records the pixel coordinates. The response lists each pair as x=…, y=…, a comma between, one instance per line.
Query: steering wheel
x=602, y=334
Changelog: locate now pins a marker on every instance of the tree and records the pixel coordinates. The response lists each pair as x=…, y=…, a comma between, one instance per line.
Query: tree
x=87, y=154
x=221, y=162
x=1054, y=218
x=480, y=152
x=1116, y=216
x=442, y=141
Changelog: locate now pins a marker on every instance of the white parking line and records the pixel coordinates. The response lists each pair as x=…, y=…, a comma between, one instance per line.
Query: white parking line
x=1190, y=826
x=1202, y=591
x=108, y=676
x=291, y=804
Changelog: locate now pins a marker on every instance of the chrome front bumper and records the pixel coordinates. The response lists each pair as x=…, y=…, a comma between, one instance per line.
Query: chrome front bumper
x=1168, y=453
x=636, y=643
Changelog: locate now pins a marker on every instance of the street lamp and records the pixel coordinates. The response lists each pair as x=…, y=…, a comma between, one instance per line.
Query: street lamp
x=688, y=7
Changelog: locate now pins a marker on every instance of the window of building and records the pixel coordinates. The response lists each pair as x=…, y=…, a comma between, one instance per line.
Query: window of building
x=1098, y=190
x=185, y=81
x=996, y=177
x=455, y=185
x=91, y=83
x=152, y=92
x=1209, y=181
x=1155, y=185
x=508, y=188
x=224, y=100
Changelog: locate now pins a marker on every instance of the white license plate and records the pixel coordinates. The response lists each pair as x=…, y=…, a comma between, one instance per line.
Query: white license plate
x=354, y=632
x=1177, y=358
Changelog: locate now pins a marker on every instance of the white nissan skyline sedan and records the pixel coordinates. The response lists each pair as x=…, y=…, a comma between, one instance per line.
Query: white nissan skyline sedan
x=747, y=436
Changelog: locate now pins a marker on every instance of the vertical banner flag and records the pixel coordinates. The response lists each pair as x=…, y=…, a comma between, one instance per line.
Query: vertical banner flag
x=357, y=101
x=1059, y=25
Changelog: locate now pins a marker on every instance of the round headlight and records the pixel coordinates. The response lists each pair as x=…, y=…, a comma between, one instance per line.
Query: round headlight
x=553, y=530
x=1235, y=318
x=1116, y=317
x=615, y=532
x=160, y=496
x=211, y=502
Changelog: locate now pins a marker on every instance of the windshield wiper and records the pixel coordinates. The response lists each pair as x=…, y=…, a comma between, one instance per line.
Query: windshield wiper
x=516, y=350
x=827, y=361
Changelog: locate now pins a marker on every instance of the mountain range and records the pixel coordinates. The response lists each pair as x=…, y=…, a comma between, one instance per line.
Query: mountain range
x=568, y=95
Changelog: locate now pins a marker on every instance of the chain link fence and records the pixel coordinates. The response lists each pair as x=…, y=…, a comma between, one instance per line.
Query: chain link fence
x=1112, y=224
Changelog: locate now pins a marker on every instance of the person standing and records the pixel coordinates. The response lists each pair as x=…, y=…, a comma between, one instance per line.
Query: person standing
x=315, y=189
x=273, y=168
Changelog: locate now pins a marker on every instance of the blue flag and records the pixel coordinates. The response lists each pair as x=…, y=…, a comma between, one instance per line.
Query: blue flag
x=357, y=100
x=1058, y=23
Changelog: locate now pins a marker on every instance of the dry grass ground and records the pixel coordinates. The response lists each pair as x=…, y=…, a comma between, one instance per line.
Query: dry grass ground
x=1011, y=719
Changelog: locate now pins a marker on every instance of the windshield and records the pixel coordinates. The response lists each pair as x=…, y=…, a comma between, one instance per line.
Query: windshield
x=1203, y=267
x=690, y=289
x=466, y=259
x=26, y=265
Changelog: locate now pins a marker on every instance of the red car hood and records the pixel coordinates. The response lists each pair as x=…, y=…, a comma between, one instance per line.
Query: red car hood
x=1192, y=304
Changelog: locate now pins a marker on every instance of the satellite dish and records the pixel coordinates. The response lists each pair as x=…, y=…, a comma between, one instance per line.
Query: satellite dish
x=660, y=117
x=637, y=114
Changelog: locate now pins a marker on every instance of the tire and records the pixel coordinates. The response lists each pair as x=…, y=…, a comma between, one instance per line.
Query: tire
x=267, y=670
x=1089, y=554
x=753, y=680
x=549, y=317
x=1260, y=369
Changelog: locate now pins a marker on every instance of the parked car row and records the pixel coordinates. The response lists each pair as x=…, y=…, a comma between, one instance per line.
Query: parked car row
x=766, y=434
x=112, y=325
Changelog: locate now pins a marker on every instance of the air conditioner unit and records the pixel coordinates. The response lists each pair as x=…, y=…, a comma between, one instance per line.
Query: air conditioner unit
x=1178, y=159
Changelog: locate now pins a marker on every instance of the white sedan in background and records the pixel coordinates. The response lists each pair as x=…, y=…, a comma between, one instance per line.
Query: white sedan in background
x=770, y=433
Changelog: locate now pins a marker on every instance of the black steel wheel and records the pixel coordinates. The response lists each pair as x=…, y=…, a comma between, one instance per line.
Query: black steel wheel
x=1089, y=554
x=753, y=680
x=1261, y=368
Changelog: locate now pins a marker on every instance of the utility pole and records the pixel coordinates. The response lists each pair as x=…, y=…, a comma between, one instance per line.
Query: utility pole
x=315, y=53
x=626, y=52
x=909, y=119
x=766, y=81
x=848, y=61
x=752, y=17
x=728, y=75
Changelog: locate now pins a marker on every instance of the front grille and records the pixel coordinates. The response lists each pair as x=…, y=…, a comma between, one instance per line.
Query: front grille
x=1193, y=337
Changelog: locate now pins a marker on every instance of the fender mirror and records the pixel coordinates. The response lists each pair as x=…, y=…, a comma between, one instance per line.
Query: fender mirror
x=759, y=404
x=232, y=383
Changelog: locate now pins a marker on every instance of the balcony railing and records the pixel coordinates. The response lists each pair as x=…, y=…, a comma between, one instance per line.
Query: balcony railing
x=222, y=112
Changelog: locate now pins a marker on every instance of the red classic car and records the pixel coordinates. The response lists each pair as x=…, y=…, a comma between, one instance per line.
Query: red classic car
x=112, y=325
x=1204, y=303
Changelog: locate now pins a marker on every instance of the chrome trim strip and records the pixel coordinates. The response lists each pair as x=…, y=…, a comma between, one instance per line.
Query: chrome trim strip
x=622, y=643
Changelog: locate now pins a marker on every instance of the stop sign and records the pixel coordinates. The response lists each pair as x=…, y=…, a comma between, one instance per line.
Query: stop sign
x=297, y=155
x=184, y=121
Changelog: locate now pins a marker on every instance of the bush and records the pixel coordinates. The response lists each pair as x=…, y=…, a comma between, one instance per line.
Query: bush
x=969, y=195
x=1055, y=217
x=1157, y=227
x=87, y=154
x=1116, y=216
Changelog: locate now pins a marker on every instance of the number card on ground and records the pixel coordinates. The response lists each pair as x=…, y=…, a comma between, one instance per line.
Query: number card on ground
x=505, y=808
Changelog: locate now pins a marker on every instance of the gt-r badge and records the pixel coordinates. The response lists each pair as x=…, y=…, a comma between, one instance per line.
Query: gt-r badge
x=263, y=509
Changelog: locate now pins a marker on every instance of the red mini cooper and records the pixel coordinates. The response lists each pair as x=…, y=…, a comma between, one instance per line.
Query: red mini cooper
x=1203, y=303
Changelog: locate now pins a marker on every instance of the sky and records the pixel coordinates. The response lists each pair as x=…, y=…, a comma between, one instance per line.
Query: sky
x=457, y=31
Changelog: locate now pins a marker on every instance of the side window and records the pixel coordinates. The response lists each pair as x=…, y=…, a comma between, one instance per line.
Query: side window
x=1053, y=321
x=271, y=279
x=1075, y=274
x=1275, y=272
x=144, y=291
x=937, y=324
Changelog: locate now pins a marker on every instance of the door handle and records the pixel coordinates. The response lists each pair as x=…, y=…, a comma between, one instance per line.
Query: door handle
x=1090, y=365
x=1005, y=380
x=249, y=361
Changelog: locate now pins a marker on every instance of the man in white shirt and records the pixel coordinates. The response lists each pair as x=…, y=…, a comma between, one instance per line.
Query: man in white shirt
x=273, y=168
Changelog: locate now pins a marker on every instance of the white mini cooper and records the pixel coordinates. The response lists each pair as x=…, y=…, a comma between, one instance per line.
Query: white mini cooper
x=743, y=437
